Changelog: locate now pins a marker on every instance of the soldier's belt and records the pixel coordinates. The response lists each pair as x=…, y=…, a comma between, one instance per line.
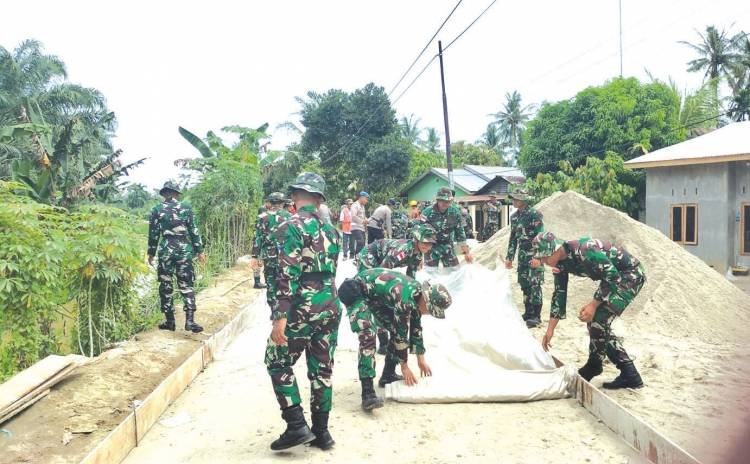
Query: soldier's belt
x=315, y=276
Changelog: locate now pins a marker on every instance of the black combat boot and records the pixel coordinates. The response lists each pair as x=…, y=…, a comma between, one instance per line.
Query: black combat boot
x=258, y=283
x=370, y=400
x=190, y=323
x=526, y=311
x=323, y=439
x=591, y=369
x=383, y=342
x=297, y=432
x=628, y=378
x=535, y=316
x=389, y=374
x=168, y=323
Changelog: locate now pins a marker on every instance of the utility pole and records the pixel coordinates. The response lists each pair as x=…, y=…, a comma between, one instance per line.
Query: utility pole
x=619, y=2
x=445, y=118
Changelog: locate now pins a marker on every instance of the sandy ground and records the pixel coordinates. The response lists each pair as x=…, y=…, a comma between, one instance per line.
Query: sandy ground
x=91, y=402
x=229, y=414
x=687, y=330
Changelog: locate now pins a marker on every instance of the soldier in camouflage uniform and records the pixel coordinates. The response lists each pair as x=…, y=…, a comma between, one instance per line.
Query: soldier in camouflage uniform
x=445, y=217
x=621, y=277
x=254, y=265
x=389, y=299
x=399, y=223
x=393, y=254
x=525, y=224
x=467, y=222
x=307, y=315
x=265, y=246
x=174, y=230
x=493, y=220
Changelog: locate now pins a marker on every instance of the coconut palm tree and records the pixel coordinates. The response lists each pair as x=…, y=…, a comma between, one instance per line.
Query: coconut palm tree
x=53, y=133
x=717, y=56
x=431, y=143
x=409, y=128
x=491, y=138
x=511, y=121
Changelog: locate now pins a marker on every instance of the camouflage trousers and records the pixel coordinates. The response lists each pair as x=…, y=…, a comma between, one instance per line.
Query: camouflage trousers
x=531, y=281
x=441, y=253
x=363, y=323
x=312, y=328
x=602, y=341
x=270, y=271
x=489, y=230
x=182, y=268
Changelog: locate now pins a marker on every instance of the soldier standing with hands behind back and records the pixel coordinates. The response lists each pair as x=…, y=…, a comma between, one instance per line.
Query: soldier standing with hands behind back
x=525, y=224
x=174, y=223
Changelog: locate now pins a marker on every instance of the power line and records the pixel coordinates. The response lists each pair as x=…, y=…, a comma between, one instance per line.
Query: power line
x=469, y=26
x=377, y=110
x=425, y=48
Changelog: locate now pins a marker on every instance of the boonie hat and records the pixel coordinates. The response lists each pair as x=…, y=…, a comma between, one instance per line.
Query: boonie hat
x=310, y=182
x=438, y=298
x=170, y=185
x=444, y=194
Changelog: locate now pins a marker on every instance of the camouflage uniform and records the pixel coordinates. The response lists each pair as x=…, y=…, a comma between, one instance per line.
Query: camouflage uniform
x=621, y=277
x=388, y=301
x=173, y=222
x=449, y=228
x=467, y=222
x=265, y=247
x=308, y=252
x=493, y=221
x=525, y=224
x=390, y=254
x=400, y=224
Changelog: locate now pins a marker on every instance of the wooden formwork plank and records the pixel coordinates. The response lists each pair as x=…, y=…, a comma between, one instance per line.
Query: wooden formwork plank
x=116, y=445
x=148, y=412
x=635, y=431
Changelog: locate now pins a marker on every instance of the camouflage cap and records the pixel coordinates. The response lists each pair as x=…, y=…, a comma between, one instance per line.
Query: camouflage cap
x=310, y=182
x=424, y=233
x=444, y=194
x=544, y=244
x=520, y=194
x=276, y=197
x=438, y=298
x=170, y=185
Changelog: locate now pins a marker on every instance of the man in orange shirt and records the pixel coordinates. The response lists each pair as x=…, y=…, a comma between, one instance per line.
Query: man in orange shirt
x=346, y=228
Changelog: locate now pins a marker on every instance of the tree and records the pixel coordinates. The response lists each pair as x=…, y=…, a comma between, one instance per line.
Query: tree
x=385, y=170
x=341, y=129
x=136, y=196
x=739, y=81
x=421, y=161
x=491, y=138
x=409, y=128
x=431, y=143
x=716, y=55
x=54, y=135
x=606, y=181
x=467, y=153
x=623, y=116
x=511, y=122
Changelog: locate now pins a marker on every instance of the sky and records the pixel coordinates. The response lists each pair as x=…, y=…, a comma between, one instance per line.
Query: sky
x=205, y=65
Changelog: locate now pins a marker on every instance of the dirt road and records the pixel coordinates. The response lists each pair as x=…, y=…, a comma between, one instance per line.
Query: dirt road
x=229, y=414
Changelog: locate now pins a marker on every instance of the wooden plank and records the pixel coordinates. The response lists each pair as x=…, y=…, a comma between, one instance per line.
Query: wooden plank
x=116, y=445
x=635, y=431
x=31, y=378
x=168, y=390
x=20, y=406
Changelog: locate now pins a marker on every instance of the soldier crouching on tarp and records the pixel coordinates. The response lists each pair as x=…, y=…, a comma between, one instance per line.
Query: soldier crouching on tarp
x=385, y=298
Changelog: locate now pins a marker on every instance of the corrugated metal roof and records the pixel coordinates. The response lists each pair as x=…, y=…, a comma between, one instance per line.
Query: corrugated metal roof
x=490, y=172
x=729, y=143
x=467, y=180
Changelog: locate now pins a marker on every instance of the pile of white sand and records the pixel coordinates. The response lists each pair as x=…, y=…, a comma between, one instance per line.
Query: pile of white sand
x=683, y=297
x=687, y=329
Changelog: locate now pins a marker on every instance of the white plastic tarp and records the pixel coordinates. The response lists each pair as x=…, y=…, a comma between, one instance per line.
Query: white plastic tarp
x=482, y=351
